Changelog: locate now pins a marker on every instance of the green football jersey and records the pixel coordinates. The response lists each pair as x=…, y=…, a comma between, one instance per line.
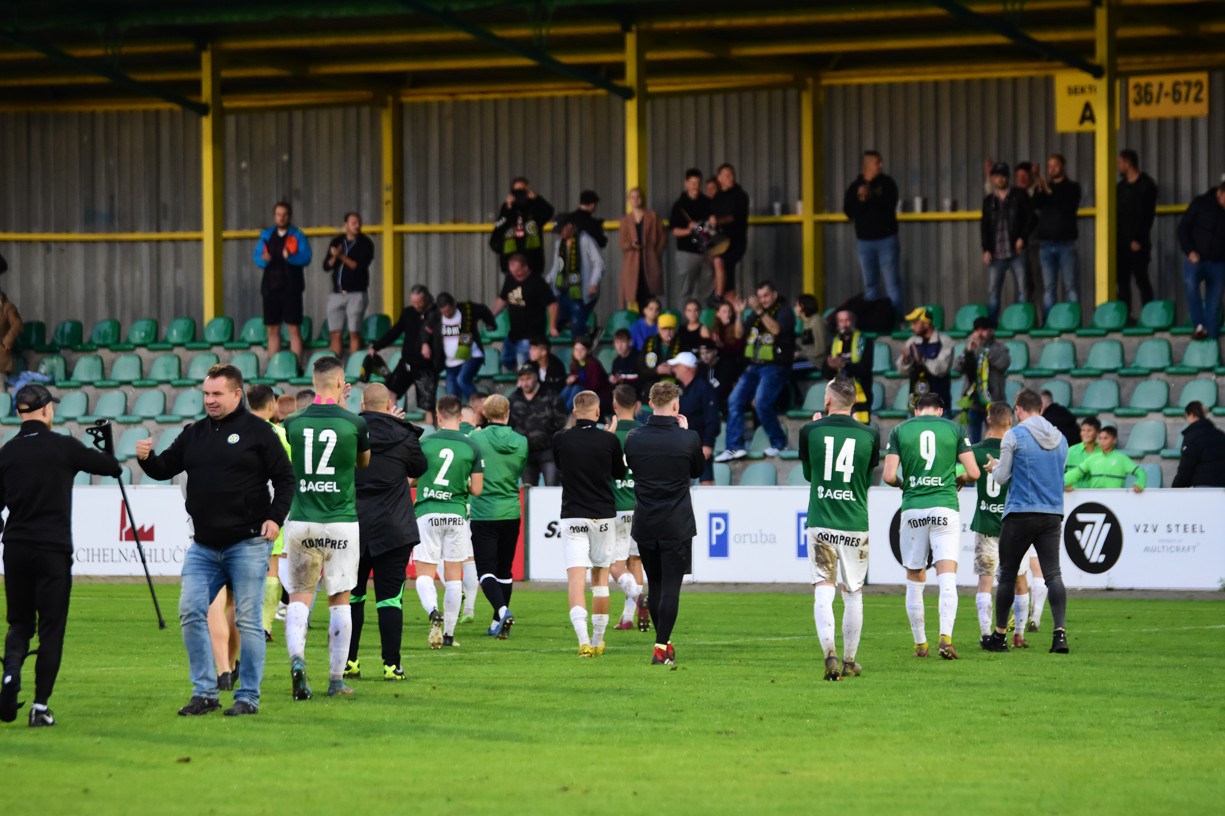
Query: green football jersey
x=450, y=459
x=1077, y=454
x=623, y=488
x=928, y=446
x=324, y=441
x=504, y=453
x=989, y=512
x=839, y=454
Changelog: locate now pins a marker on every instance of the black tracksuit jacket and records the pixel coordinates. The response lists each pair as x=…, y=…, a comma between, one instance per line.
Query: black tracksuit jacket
x=665, y=459
x=384, y=503
x=589, y=459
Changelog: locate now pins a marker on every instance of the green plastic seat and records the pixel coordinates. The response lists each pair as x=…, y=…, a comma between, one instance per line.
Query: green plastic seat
x=149, y=405
x=624, y=319
x=247, y=362
x=814, y=400
x=72, y=407
x=1145, y=438
x=55, y=367
x=354, y=402
x=878, y=397
x=1064, y=317
x=957, y=389
x=353, y=366
x=1057, y=357
x=321, y=340
x=283, y=367
x=106, y=334
x=1150, y=396
x=1111, y=316
x=758, y=444
x=901, y=404
x=1018, y=318
x=1105, y=356
x=33, y=335
x=759, y=474
x=796, y=477
x=125, y=445
x=253, y=334
x=126, y=370
x=605, y=355
x=1151, y=356
x=86, y=371
x=963, y=321
x=374, y=327
x=1199, y=355
x=304, y=328
x=164, y=370
x=180, y=332
x=1101, y=397
x=1203, y=390
x=166, y=437
x=882, y=358
x=503, y=329
x=217, y=332
x=1155, y=316
x=1061, y=391
x=1153, y=473
x=305, y=378
x=82, y=479
x=1011, y=389
x=68, y=334
x=111, y=405
x=723, y=474
x=196, y=370
x=1018, y=350
x=141, y=333
x=188, y=405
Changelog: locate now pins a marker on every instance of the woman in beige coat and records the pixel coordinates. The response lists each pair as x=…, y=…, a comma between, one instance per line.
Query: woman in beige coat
x=10, y=330
x=642, y=248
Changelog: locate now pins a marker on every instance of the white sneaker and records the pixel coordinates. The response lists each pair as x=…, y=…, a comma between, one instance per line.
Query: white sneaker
x=729, y=454
x=771, y=451
x=280, y=611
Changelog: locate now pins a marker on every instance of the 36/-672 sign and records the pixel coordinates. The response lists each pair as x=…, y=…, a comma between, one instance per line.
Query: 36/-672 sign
x=1093, y=538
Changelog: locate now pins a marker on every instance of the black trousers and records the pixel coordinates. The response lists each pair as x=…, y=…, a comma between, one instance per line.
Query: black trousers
x=494, y=544
x=1133, y=266
x=388, y=571
x=540, y=463
x=37, y=585
x=1020, y=531
x=665, y=563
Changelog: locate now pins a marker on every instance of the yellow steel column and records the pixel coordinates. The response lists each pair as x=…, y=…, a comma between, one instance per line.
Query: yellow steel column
x=393, y=198
x=812, y=185
x=636, y=111
x=212, y=166
x=1105, y=148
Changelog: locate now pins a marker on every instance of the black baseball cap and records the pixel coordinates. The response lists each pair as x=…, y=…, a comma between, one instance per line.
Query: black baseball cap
x=527, y=369
x=32, y=397
x=999, y=169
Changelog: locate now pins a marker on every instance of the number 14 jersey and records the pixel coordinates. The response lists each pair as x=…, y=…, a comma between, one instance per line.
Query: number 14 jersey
x=324, y=442
x=838, y=454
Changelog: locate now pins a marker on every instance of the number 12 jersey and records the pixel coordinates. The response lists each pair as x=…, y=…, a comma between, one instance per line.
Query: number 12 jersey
x=324, y=442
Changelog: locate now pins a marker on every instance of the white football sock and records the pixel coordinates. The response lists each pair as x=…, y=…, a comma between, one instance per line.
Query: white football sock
x=1038, y=587
x=627, y=611
x=823, y=614
x=852, y=623
x=982, y=601
x=1020, y=610
x=451, y=600
x=914, y=611
x=427, y=593
x=502, y=612
x=948, y=602
x=340, y=631
x=471, y=586
x=578, y=619
x=599, y=623
x=630, y=587
x=296, y=616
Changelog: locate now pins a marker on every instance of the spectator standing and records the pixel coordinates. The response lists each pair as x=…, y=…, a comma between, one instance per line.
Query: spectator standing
x=283, y=252
x=984, y=363
x=584, y=218
x=731, y=211
x=1006, y=224
x=1203, y=451
x=769, y=329
x=1201, y=234
x=871, y=203
x=642, y=249
x=537, y=415
x=691, y=213
x=647, y=324
x=927, y=357
x=1136, y=211
x=416, y=368
x=625, y=364
x=348, y=266
x=575, y=277
x=1023, y=179
x=692, y=331
x=455, y=342
x=532, y=308
x=656, y=352
x=10, y=330
x=850, y=355
x=586, y=374
x=552, y=370
x=1057, y=199
x=812, y=344
x=519, y=229
x=700, y=407
x=1059, y=416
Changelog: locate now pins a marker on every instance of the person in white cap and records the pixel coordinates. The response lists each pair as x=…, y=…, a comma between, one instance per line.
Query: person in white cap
x=699, y=405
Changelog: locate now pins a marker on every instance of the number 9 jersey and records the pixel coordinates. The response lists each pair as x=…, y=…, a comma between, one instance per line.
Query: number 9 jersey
x=324, y=441
x=928, y=447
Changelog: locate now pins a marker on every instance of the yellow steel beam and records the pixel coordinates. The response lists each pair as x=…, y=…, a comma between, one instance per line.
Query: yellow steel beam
x=392, y=170
x=212, y=170
x=1105, y=149
x=636, y=111
x=812, y=184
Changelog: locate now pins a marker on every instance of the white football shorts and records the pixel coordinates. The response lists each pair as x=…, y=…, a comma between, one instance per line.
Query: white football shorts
x=312, y=547
x=444, y=537
x=933, y=532
x=838, y=556
x=625, y=546
x=589, y=542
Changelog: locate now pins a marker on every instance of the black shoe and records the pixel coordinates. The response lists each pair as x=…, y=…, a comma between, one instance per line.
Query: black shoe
x=448, y=642
x=240, y=708
x=198, y=706
x=267, y=636
x=225, y=682
x=234, y=674
x=1059, y=643
x=8, y=697
x=41, y=718
x=301, y=686
x=994, y=642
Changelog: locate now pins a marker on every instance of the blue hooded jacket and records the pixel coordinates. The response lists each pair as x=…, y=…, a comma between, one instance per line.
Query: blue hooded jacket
x=1032, y=456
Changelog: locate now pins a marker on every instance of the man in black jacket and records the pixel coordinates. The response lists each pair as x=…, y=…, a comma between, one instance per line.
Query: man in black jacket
x=1005, y=227
x=348, y=266
x=665, y=457
x=520, y=226
x=1201, y=235
x=871, y=202
x=388, y=525
x=229, y=458
x=1059, y=416
x=1203, y=451
x=1057, y=200
x=1137, y=208
x=584, y=218
x=538, y=415
x=36, y=472
x=731, y=210
x=589, y=459
x=700, y=407
x=416, y=368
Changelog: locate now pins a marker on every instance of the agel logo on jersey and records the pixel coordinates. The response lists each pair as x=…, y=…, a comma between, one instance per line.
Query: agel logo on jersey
x=1093, y=538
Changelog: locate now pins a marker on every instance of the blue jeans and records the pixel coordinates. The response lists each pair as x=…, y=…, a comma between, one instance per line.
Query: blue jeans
x=461, y=379
x=569, y=393
x=1058, y=258
x=576, y=312
x=995, y=282
x=976, y=417
x=1206, y=309
x=205, y=572
x=515, y=353
x=762, y=384
x=879, y=259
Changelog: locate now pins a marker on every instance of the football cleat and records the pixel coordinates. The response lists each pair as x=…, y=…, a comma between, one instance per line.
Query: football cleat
x=339, y=688
x=353, y=669
x=946, y=649
x=8, y=697
x=508, y=620
x=198, y=706
x=596, y=651
x=435, y=638
x=994, y=642
x=1019, y=642
x=851, y=669
x=393, y=672
x=467, y=618
x=660, y=657
x=585, y=650
x=1059, y=642
x=41, y=718
x=920, y=649
x=644, y=614
x=448, y=642
x=670, y=651
x=832, y=667
x=301, y=686
x=1031, y=626
x=624, y=625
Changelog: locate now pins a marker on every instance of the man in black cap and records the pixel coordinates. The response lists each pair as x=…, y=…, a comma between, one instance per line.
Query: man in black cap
x=1008, y=216
x=36, y=471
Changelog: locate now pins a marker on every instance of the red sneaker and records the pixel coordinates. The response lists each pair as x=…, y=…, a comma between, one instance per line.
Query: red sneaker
x=644, y=614
x=670, y=653
x=659, y=657
x=624, y=625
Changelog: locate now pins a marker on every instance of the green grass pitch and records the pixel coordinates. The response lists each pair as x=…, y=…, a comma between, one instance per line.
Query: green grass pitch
x=1130, y=722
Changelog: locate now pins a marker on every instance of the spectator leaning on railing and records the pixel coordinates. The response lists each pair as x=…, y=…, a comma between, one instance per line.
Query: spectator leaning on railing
x=1108, y=468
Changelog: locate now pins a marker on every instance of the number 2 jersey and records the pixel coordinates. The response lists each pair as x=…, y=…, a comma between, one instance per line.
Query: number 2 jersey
x=450, y=458
x=838, y=454
x=928, y=447
x=324, y=442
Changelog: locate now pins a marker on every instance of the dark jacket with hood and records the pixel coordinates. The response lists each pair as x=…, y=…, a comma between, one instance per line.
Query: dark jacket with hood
x=539, y=418
x=1202, y=228
x=1203, y=456
x=384, y=503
